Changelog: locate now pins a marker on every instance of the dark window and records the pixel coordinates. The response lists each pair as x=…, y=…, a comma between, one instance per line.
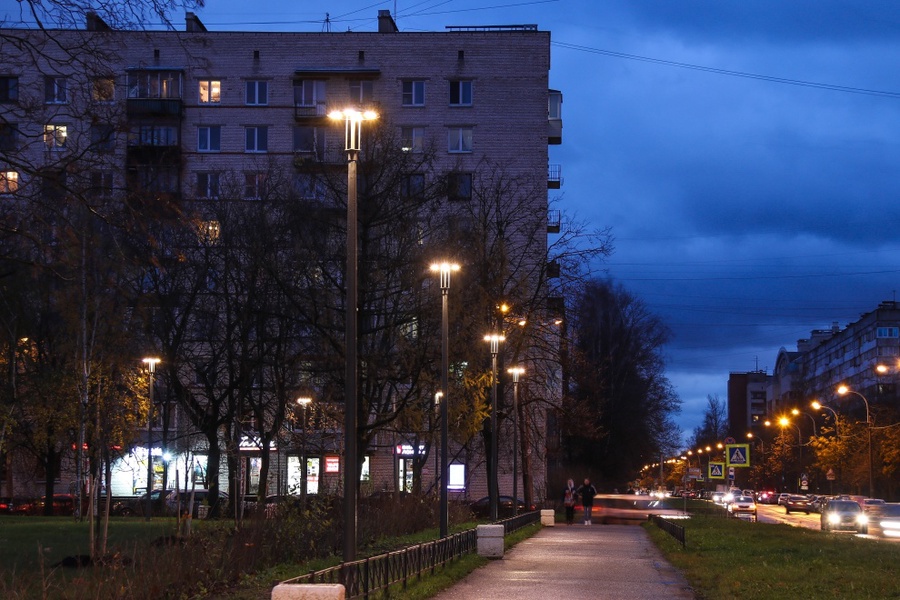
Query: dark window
x=207, y=185
x=55, y=90
x=413, y=186
x=102, y=184
x=9, y=89
x=461, y=93
x=459, y=186
x=8, y=136
x=413, y=93
x=103, y=138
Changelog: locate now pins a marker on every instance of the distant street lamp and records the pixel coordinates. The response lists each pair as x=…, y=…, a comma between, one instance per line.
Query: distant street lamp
x=493, y=480
x=151, y=367
x=444, y=269
x=843, y=390
x=352, y=133
x=304, y=402
x=516, y=372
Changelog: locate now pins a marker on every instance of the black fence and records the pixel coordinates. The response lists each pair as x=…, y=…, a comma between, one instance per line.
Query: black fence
x=673, y=529
x=367, y=576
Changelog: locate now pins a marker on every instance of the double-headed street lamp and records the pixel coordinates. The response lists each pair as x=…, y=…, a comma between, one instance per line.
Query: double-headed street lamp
x=444, y=269
x=353, y=120
x=516, y=372
x=842, y=391
x=493, y=480
x=151, y=367
x=819, y=406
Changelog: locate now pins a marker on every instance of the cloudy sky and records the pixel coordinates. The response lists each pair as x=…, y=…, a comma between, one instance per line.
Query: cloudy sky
x=745, y=154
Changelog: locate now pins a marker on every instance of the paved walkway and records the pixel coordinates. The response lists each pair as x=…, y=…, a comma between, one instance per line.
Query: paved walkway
x=577, y=562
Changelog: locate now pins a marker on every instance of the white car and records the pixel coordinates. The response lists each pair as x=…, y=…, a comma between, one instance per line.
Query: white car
x=743, y=506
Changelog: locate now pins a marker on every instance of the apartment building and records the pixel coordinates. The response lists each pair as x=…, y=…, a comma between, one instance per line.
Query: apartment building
x=194, y=116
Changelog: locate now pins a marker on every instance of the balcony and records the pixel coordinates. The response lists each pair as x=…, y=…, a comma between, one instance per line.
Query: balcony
x=154, y=107
x=554, y=177
x=553, y=269
x=554, y=116
x=554, y=221
x=304, y=112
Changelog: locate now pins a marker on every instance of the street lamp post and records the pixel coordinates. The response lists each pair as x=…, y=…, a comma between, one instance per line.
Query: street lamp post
x=796, y=412
x=843, y=390
x=304, y=402
x=819, y=406
x=784, y=422
x=516, y=372
x=151, y=367
x=445, y=269
x=352, y=133
x=493, y=480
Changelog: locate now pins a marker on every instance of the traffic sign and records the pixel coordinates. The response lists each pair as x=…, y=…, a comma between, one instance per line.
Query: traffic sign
x=737, y=455
x=716, y=470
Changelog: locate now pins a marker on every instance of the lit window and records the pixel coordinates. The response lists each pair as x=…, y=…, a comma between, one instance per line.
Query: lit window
x=413, y=93
x=459, y=140
x=55, y=136
x=461, y=93
x=9, y=182
x=209, y=231
x=257, y=139
x=257, y=93
x=103, y=89
x=456, y=479
x=210, y=91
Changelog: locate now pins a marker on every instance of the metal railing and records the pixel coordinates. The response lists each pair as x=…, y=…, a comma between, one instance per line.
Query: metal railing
x=673, y=529
x=364, y=577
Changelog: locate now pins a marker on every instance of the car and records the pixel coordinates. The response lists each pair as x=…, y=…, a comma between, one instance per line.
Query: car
x=743, y=506
x=869, y=503
x=62, y=504
x=782, y=497
x=481, y=508
x=818, y=502
x=14, y=506
x=884, y=520
x=718, y=497
x=796, y=503
x=766, y=497
x=839, y=514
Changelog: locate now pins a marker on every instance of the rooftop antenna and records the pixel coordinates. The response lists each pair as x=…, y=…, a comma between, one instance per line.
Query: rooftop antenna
x=326, y=26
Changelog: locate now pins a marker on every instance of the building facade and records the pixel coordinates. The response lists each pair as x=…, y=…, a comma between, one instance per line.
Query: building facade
x=192, y=117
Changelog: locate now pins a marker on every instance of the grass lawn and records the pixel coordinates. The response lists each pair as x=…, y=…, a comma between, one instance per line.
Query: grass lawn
x=27, y=543
x=732, y=558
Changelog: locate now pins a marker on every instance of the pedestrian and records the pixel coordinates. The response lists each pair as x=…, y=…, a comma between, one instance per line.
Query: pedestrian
x=569, y=502
x=587, y=492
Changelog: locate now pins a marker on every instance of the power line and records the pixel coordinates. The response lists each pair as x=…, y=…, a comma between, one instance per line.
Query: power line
x=717, y=71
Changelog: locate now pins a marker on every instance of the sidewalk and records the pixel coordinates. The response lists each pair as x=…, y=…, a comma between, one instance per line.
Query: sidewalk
x=577, y=562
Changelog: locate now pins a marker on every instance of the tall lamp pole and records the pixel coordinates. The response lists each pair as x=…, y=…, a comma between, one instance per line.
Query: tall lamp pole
x=151, y=367
x=843, y=390
x=352, y=119
x=444, y=269
x=819, y=406
x=493, y=480
x=516, y=372
x=303, y=401
x=784, y=422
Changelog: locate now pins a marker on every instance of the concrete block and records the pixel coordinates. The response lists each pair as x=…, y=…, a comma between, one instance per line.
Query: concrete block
x=548, y=517
x=308, y=591
x=490, y=541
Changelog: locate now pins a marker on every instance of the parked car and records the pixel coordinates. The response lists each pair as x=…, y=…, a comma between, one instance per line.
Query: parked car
x=14, y=506
x=743, y=506
x=884, y=520
x=796, y=503
x=481, y=508
x=840, y=514
x=782, y=498
x=62, y=504
x=869, y=503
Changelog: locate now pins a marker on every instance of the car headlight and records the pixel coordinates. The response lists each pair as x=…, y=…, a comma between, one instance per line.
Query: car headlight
x=862, y=519
x=834, y=518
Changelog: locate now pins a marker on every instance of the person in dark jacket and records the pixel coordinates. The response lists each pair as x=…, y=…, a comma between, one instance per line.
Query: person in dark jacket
x=587, y=493
x=569, y=502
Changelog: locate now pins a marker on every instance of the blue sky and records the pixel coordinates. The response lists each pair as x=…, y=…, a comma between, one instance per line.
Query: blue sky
x=744, y=153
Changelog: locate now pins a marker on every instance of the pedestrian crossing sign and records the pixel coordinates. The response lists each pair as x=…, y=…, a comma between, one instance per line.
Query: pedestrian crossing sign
x=737, y=455
x=717, y=470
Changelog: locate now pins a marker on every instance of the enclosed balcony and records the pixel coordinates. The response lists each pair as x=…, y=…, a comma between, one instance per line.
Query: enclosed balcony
x=554, y=116
x=554, y=177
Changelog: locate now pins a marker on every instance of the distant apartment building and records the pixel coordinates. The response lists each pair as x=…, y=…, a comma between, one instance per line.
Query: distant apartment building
x=746, y=402
x=172, y=112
